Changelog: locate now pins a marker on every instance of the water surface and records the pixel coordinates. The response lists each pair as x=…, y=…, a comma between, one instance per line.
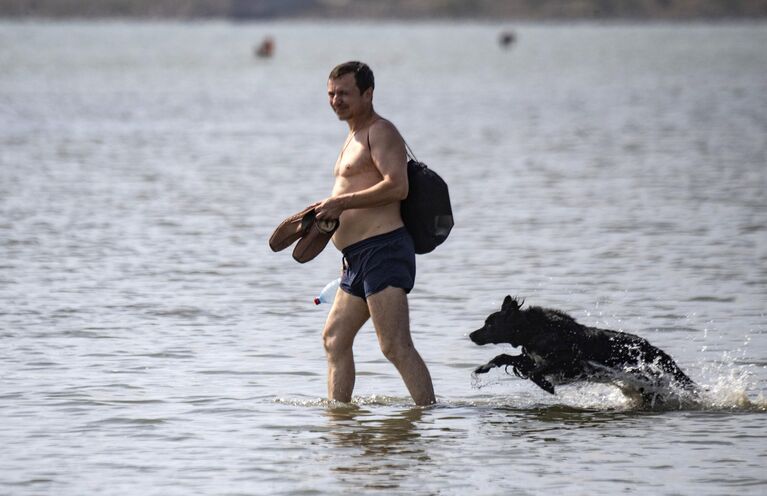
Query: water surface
x=153, y=344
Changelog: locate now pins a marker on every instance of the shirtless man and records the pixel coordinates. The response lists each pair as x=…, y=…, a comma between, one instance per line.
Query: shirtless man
x=378, y=254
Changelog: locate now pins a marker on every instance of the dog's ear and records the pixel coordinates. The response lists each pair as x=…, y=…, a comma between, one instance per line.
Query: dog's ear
x=510, y=302
x=506, y=302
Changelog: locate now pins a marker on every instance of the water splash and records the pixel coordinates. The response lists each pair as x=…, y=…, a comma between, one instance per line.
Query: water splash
x=372, y=400
x=727, y=383
x=479, y=381
x=724, y=387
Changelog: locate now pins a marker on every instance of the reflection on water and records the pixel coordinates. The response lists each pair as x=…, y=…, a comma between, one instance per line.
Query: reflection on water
x=388, y=447
x=552, y=424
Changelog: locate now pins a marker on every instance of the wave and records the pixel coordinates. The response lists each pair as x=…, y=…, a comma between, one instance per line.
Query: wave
x=727, y=395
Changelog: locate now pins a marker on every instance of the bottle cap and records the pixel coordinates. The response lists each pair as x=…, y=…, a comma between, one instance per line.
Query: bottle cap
x=317, y=301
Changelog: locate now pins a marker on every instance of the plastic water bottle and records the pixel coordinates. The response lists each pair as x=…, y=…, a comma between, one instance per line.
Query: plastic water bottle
x=328, y=293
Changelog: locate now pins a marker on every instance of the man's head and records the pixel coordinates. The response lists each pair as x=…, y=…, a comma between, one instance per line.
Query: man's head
x=363, y=76
x=350, y=89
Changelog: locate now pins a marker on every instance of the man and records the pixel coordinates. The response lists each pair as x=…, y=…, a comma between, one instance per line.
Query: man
x=378, y=254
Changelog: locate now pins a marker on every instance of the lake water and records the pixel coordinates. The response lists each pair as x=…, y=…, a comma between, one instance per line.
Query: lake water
x=152, y=344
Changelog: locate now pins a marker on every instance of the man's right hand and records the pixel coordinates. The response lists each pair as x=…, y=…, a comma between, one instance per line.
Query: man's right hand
x=331, y=208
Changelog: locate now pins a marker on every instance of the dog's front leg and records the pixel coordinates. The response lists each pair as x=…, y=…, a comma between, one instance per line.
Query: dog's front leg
x=537, y=376
x=498, y=361
x=542, y=383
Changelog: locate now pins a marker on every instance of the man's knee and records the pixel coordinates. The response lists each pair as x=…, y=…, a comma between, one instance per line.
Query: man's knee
x=336, y=342
x=397, y=351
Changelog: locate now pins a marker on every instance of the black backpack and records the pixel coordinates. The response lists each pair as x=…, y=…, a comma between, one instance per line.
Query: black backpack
x=426, y=211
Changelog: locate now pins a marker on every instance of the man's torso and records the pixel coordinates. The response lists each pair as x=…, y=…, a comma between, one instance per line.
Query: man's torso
x=355, y=171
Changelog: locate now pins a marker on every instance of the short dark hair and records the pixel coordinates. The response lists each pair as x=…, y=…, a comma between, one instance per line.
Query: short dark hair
x=363, y=76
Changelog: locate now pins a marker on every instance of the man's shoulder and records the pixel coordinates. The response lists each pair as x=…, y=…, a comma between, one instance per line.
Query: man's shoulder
x=384, y=129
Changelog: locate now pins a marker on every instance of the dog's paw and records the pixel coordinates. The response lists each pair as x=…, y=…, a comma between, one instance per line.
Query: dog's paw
x=542, y=383
x=484, y=369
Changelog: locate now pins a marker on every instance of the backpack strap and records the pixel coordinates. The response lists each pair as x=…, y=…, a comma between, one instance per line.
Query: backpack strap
x=409, y=151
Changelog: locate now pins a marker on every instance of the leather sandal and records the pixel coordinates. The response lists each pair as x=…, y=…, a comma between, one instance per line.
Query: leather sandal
x=292, y=228
x=314, y=240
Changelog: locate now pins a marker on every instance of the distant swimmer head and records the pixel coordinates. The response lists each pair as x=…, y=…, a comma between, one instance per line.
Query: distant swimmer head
x=507, y=38
x=266, y=48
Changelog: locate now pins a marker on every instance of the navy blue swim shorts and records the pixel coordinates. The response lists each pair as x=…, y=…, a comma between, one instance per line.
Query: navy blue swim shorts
x=375, y=263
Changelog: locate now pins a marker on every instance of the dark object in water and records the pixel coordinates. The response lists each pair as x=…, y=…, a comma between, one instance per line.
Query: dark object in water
x=507, y=38
x=266, y=48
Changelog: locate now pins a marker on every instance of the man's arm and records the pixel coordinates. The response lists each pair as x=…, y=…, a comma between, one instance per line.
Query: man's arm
x=387, y=150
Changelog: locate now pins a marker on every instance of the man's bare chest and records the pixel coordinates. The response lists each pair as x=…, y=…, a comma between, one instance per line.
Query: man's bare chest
x=354, y=160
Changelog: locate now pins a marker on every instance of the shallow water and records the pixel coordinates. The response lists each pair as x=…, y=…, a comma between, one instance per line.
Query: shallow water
x=152, y=344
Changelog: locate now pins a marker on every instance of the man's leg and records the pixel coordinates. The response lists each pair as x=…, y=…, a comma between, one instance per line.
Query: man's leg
x=346, y=317
x=389, y=310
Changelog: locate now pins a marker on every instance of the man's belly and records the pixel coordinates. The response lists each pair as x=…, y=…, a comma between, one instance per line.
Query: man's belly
x=362, y=223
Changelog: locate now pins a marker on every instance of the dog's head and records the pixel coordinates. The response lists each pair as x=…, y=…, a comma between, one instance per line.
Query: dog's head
x=504, y=326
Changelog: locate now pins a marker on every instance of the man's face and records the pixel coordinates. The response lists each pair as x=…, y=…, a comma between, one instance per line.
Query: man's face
x=345, y=97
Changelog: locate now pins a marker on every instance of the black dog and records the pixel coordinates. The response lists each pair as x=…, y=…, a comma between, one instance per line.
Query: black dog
x=558, y=350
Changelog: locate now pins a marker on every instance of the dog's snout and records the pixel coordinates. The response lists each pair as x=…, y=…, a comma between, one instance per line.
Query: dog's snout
x=477, y=337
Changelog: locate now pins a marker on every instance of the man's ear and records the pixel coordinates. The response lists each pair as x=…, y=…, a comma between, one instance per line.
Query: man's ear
x=368, y=95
